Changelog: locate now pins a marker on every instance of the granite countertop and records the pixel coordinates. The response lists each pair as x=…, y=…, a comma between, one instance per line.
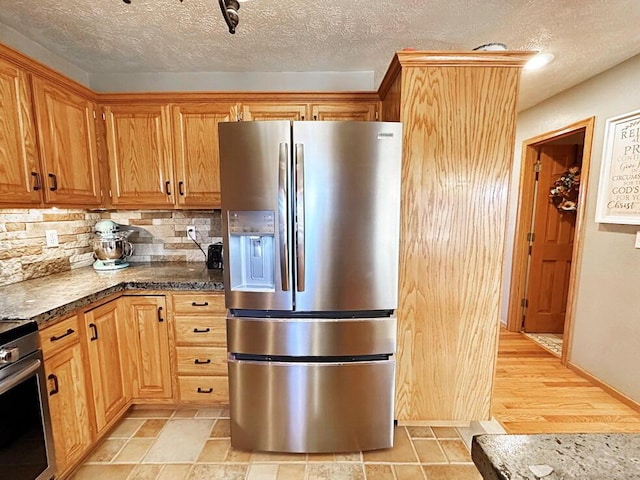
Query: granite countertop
x=582, y=456
x=43, y=299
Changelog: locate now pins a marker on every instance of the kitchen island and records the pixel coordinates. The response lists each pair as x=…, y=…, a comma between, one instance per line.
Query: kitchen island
x=47, y=298
x=583, y=456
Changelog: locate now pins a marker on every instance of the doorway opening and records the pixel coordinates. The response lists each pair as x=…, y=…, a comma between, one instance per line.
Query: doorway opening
x=549, y=224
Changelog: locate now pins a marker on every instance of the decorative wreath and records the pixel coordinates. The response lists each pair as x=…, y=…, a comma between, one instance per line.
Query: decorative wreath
x=564, y=191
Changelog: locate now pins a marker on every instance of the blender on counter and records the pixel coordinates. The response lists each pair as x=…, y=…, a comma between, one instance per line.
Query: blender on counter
x=110, y=246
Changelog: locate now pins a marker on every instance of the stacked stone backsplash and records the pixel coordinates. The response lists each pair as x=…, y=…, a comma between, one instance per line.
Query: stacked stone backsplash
x=155, y=235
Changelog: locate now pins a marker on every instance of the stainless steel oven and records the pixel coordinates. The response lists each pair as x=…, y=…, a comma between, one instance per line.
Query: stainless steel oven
x=26, y=446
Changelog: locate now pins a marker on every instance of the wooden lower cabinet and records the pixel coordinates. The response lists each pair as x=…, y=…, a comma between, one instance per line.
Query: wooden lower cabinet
x=201, y=348
x=67, y=394
x=147, y=341
x=108, y=367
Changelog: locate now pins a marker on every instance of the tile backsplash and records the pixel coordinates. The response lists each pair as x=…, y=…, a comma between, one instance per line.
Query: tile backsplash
x=156, y=236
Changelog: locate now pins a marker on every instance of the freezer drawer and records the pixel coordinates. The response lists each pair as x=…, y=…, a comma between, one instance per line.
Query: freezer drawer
x=311, y=407
x=320, y=337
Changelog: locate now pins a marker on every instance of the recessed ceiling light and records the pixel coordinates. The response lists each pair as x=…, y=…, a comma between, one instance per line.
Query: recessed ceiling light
x=539, y=61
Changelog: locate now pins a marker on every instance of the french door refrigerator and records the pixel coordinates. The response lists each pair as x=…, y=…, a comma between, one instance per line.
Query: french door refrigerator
x=310, y=217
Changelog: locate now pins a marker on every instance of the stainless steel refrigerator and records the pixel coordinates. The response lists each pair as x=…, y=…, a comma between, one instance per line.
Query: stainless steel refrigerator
x=310, y=217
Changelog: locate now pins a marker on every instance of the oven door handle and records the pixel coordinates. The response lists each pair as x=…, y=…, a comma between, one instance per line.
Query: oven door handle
x=19, y=377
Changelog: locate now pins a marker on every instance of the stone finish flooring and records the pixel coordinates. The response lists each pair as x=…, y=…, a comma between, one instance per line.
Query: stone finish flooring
x=552, y=342
x=194, y=444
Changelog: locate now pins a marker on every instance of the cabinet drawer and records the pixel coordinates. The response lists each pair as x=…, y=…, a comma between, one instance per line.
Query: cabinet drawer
x=202, y=360
x=195, y=303
x=195, y=330
x=59, y=336
x=204, y=389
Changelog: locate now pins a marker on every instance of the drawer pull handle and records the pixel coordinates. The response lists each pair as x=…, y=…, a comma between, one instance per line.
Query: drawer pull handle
x=160, y=317
x=94, y=335
x=201, y=330
x=202, y=390
x=196, y=304
x=202, y=362
x=56, y=388
x=60, y=337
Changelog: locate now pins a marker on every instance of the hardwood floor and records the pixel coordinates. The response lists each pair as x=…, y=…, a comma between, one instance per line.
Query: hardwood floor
x=534, y=393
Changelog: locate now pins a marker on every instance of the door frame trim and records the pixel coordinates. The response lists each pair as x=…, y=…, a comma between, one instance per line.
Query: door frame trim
x=523, y=224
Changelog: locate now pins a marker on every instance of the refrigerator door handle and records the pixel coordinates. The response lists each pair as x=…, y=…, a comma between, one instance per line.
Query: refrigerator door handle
x=299, y=166
x=283, y=195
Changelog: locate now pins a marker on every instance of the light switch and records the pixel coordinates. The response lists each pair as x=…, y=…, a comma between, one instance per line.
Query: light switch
x=637, y=239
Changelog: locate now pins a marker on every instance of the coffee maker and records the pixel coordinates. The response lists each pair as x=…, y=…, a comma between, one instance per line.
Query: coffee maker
x=110, y=247
x=214, y=256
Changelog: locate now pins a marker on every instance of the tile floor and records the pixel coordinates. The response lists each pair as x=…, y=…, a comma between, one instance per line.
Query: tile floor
x=551, y=342
x=190, y=444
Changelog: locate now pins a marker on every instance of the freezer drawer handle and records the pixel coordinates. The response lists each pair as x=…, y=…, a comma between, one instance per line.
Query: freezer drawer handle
x=283, y=195
x=202, y=390
x=201, y=330
x=299, y=165
x=196, y=304
x=197, y=361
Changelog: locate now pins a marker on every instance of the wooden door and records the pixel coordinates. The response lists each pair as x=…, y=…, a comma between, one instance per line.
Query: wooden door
x=67, y=141
x=68, y=405
x=274, y=111
x=139, y=151
x=147, y=339
x=20, y=176
x=197, y=163
x=344, y=111
x=106, y=363
x=552, y=247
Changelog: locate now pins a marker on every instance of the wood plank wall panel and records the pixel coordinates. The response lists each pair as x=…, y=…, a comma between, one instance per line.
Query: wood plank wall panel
x=459, y=130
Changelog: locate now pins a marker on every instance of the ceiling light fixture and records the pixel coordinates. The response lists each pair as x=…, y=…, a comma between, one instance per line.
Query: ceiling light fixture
x=539, y=61
x=229, y=10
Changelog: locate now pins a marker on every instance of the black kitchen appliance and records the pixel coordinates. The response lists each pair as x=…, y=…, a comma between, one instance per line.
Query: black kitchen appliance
x=214, y=256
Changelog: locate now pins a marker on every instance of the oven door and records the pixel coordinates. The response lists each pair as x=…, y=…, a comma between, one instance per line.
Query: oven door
x=26, y=447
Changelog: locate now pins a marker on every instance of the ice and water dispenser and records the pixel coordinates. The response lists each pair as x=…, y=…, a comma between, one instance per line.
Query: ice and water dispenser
x=252, y=250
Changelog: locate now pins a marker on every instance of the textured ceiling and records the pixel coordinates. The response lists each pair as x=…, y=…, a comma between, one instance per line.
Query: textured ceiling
x=148, y=36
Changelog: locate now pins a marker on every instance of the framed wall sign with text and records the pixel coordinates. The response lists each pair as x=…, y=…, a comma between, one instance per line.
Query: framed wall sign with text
x=619, y=189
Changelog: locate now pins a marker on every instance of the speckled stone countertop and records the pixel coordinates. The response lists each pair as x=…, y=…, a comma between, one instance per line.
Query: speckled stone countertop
x=46, y=298
x=583, y=456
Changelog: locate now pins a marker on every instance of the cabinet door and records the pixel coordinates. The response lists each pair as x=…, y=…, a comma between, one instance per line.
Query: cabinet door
x=195, y=132
x=138, y=145
x=274, y=111
x=344, y=111
x=106, y=363
x=67, y=136
x=147, y=339
x=20, y=177
x=69, y=406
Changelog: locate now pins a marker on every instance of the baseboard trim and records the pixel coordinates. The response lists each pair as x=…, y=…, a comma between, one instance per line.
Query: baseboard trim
x=434, y=423
x=607, y=388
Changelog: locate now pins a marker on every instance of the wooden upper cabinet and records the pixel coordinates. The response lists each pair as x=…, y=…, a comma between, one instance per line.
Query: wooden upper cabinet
x=344, y=111
x=67, y=141
x=274, y=111
x=197, y=163
x=139, y=153
x=20, y=176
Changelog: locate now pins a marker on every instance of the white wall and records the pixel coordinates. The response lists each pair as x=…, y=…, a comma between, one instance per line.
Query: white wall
x=606, y=329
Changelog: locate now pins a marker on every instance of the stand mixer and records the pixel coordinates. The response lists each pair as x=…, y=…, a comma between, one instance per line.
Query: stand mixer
x=110, y=246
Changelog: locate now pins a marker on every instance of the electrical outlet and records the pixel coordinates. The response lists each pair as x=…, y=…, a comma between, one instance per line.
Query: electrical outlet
x=191, y=232
x=51, y=237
